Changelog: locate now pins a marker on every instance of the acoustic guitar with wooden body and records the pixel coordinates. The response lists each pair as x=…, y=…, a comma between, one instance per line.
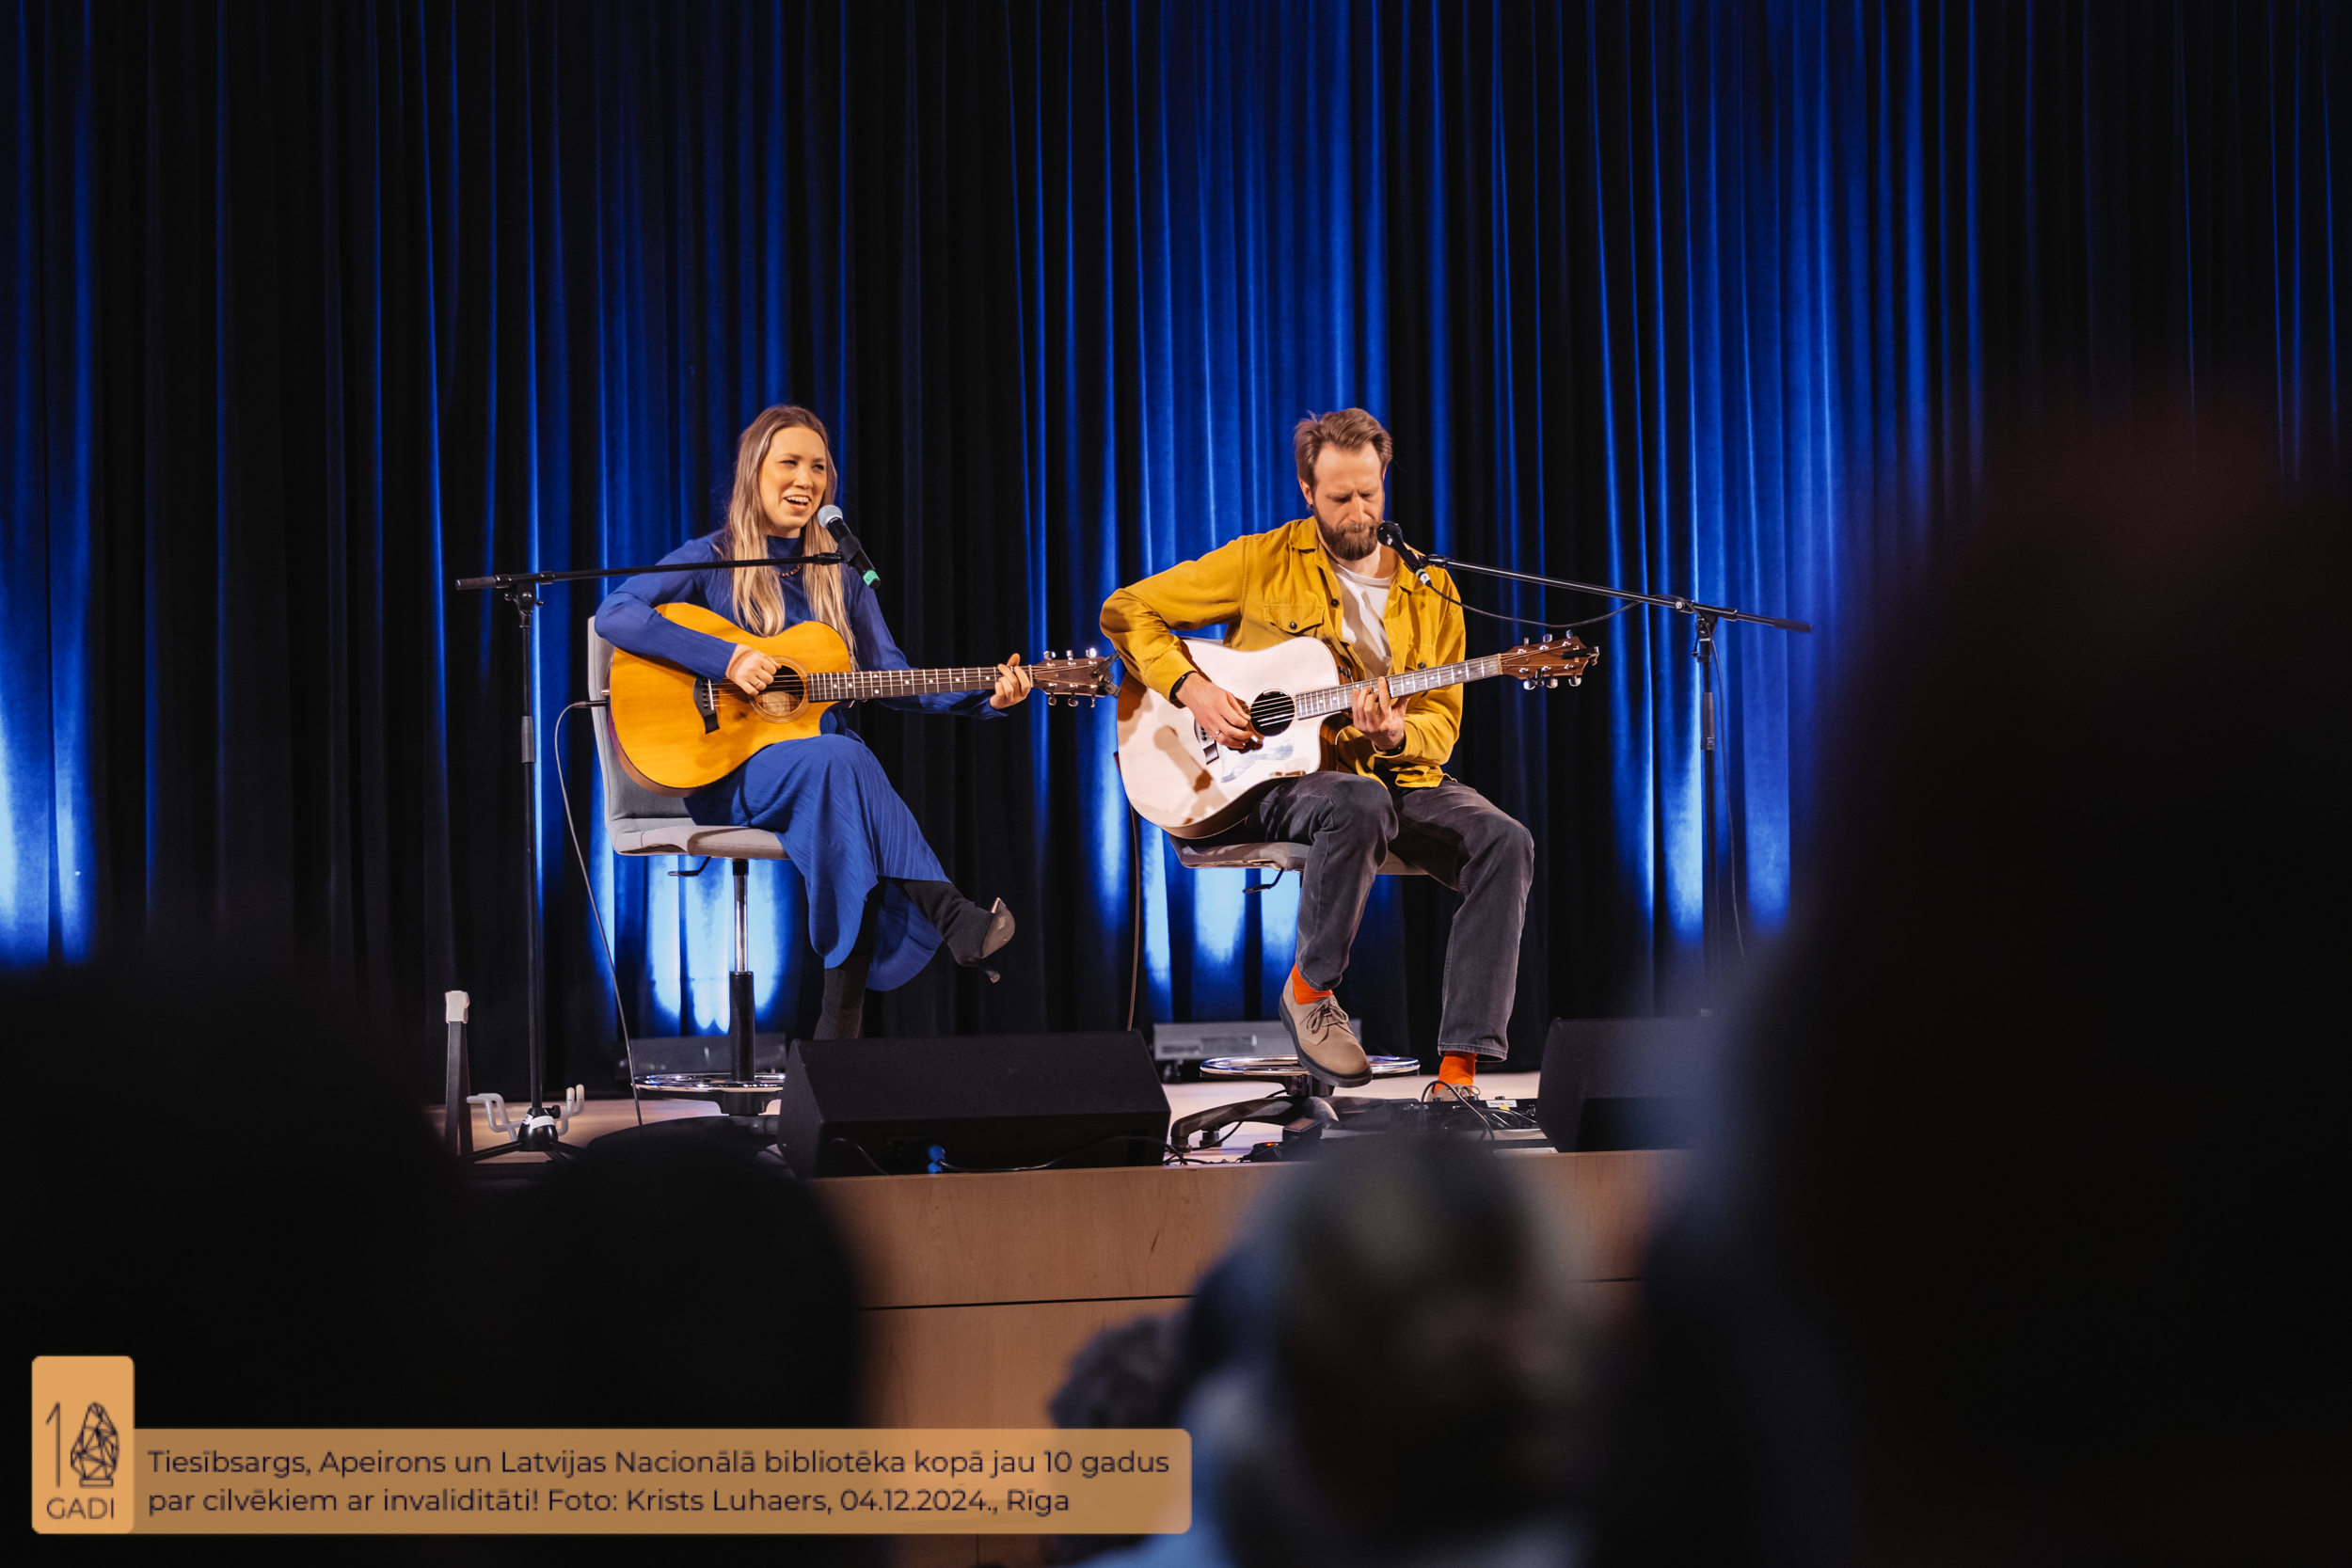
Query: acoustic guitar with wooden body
x=1180, y=779
x=677, y=731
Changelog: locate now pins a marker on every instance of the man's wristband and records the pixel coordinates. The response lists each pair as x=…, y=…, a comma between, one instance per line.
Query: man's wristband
x=1179, y=684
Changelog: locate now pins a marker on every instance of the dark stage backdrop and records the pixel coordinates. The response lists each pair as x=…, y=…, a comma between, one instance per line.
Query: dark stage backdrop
x=312, y=308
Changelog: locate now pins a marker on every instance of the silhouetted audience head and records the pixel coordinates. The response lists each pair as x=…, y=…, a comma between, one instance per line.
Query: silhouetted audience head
x=1412, y=1372
x=242, y=1198
x=231, y=1186
x=1131, y=1374
x=715, y=1293
x=1123, y=1377
x=2013, y=1253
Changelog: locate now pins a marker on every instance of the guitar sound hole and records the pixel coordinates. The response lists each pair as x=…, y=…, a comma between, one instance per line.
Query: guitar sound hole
x=784, y=695
x=1272, y=712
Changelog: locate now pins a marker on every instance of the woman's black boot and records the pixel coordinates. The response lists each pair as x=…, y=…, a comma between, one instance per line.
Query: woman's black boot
x=972, y=932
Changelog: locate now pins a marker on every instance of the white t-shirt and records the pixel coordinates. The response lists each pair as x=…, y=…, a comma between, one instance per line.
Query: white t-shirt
x=1363, y=601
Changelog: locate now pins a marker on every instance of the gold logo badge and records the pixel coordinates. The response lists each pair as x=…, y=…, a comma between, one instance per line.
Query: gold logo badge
x=83, y=1482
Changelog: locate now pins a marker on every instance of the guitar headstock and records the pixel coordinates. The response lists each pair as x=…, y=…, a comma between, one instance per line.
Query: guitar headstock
x=1068, y=676
x=1549, y=660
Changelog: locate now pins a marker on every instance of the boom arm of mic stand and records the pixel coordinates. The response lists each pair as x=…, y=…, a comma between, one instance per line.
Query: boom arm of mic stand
x=1707, y=616
x=521, y=579
x=1663, y=601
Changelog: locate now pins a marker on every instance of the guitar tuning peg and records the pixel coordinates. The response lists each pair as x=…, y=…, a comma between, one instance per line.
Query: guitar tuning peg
x=1527, y=686
x=1090, y=702
x=1575, y=680
x=1091, y=652
x=1553, y=685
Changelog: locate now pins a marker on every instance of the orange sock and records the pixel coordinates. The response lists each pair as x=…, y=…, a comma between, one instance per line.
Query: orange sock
x=1301, y=992
x=1459, y=1068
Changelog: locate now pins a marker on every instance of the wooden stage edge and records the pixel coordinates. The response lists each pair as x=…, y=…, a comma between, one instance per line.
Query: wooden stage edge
x=978, y=1289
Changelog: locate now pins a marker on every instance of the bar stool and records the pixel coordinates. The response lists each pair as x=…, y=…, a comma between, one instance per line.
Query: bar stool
x=1306, y=1106
x=638, y=821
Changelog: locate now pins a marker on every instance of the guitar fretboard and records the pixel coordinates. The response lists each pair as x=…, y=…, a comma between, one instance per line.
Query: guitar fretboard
x=1402, y=683
x=851, y=686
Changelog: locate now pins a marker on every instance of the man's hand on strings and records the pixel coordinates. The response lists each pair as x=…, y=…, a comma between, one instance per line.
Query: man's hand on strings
x=1220, y=713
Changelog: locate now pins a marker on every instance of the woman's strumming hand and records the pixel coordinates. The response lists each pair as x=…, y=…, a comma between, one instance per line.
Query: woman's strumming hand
x=750, y=670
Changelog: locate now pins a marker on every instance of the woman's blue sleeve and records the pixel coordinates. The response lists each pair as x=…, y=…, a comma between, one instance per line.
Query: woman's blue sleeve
x=878, y=650
x=627, y=617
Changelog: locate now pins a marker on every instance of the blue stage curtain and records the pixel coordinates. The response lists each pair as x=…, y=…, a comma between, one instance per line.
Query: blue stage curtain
x=312, y=308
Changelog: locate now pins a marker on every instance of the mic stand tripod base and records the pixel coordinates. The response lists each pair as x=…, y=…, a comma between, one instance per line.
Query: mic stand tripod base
x=538, y=1131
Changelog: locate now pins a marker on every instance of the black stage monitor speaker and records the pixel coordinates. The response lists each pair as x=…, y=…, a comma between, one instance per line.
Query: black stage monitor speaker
x=1625, y=1082
x=987, y=1103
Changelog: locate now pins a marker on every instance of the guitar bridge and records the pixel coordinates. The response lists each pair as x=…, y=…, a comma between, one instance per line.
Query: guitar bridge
x=707, y=704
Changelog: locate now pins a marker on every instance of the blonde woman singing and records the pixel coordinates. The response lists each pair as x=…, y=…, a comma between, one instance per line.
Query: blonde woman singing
x=879, y=903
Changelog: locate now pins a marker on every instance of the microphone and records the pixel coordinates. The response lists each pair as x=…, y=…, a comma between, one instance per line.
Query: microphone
x=1393, y=537
x=845, y=543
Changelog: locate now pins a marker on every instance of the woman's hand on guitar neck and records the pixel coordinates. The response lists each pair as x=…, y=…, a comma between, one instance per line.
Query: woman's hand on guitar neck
x=1012, y=684
x=1220, y=713
x=750, y=670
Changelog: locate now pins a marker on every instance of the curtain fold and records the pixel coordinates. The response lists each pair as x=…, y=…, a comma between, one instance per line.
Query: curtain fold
x=310, y=310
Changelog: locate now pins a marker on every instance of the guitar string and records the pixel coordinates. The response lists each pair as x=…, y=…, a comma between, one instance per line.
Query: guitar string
x=1332, y=699
x=968, y=673
x=853, y=684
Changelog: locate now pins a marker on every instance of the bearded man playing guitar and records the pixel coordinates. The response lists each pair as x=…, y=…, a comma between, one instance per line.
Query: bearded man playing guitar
x=1383, y=788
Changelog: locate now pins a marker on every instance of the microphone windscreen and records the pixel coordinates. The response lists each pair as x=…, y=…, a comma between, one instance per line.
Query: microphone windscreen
x=828, y=515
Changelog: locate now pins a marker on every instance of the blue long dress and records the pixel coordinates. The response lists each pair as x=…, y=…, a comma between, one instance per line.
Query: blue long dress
x=825, y=796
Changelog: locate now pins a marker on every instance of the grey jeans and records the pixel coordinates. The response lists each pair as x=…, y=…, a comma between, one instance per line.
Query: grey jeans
x=1349, y=823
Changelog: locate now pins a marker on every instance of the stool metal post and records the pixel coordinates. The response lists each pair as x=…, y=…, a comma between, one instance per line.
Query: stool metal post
x=739, y=978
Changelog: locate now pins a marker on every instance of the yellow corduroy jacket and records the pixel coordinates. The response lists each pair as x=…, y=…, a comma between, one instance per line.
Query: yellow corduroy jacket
x=1265, y=587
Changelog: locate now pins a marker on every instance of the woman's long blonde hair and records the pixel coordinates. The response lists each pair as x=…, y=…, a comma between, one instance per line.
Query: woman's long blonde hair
x=759, y=595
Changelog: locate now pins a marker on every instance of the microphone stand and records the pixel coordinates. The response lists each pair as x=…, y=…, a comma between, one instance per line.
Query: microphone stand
x=542, y=1130
x=1705, y=618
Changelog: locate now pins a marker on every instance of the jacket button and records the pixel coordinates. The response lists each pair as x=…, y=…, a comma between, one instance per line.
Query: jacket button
x=1293, y=626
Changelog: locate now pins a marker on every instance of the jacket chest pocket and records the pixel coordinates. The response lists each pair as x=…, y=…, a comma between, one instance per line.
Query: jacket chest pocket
x=1292, y=617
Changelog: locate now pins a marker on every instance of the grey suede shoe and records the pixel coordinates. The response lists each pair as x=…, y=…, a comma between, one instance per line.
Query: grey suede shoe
x=1325, y=1043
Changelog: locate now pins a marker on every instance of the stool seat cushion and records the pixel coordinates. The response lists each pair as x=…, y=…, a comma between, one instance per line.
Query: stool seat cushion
x=683, y=835
x=1267, y=857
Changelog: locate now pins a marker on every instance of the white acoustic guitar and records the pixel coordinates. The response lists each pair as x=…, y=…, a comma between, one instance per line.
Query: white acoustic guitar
x=1186, y=783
